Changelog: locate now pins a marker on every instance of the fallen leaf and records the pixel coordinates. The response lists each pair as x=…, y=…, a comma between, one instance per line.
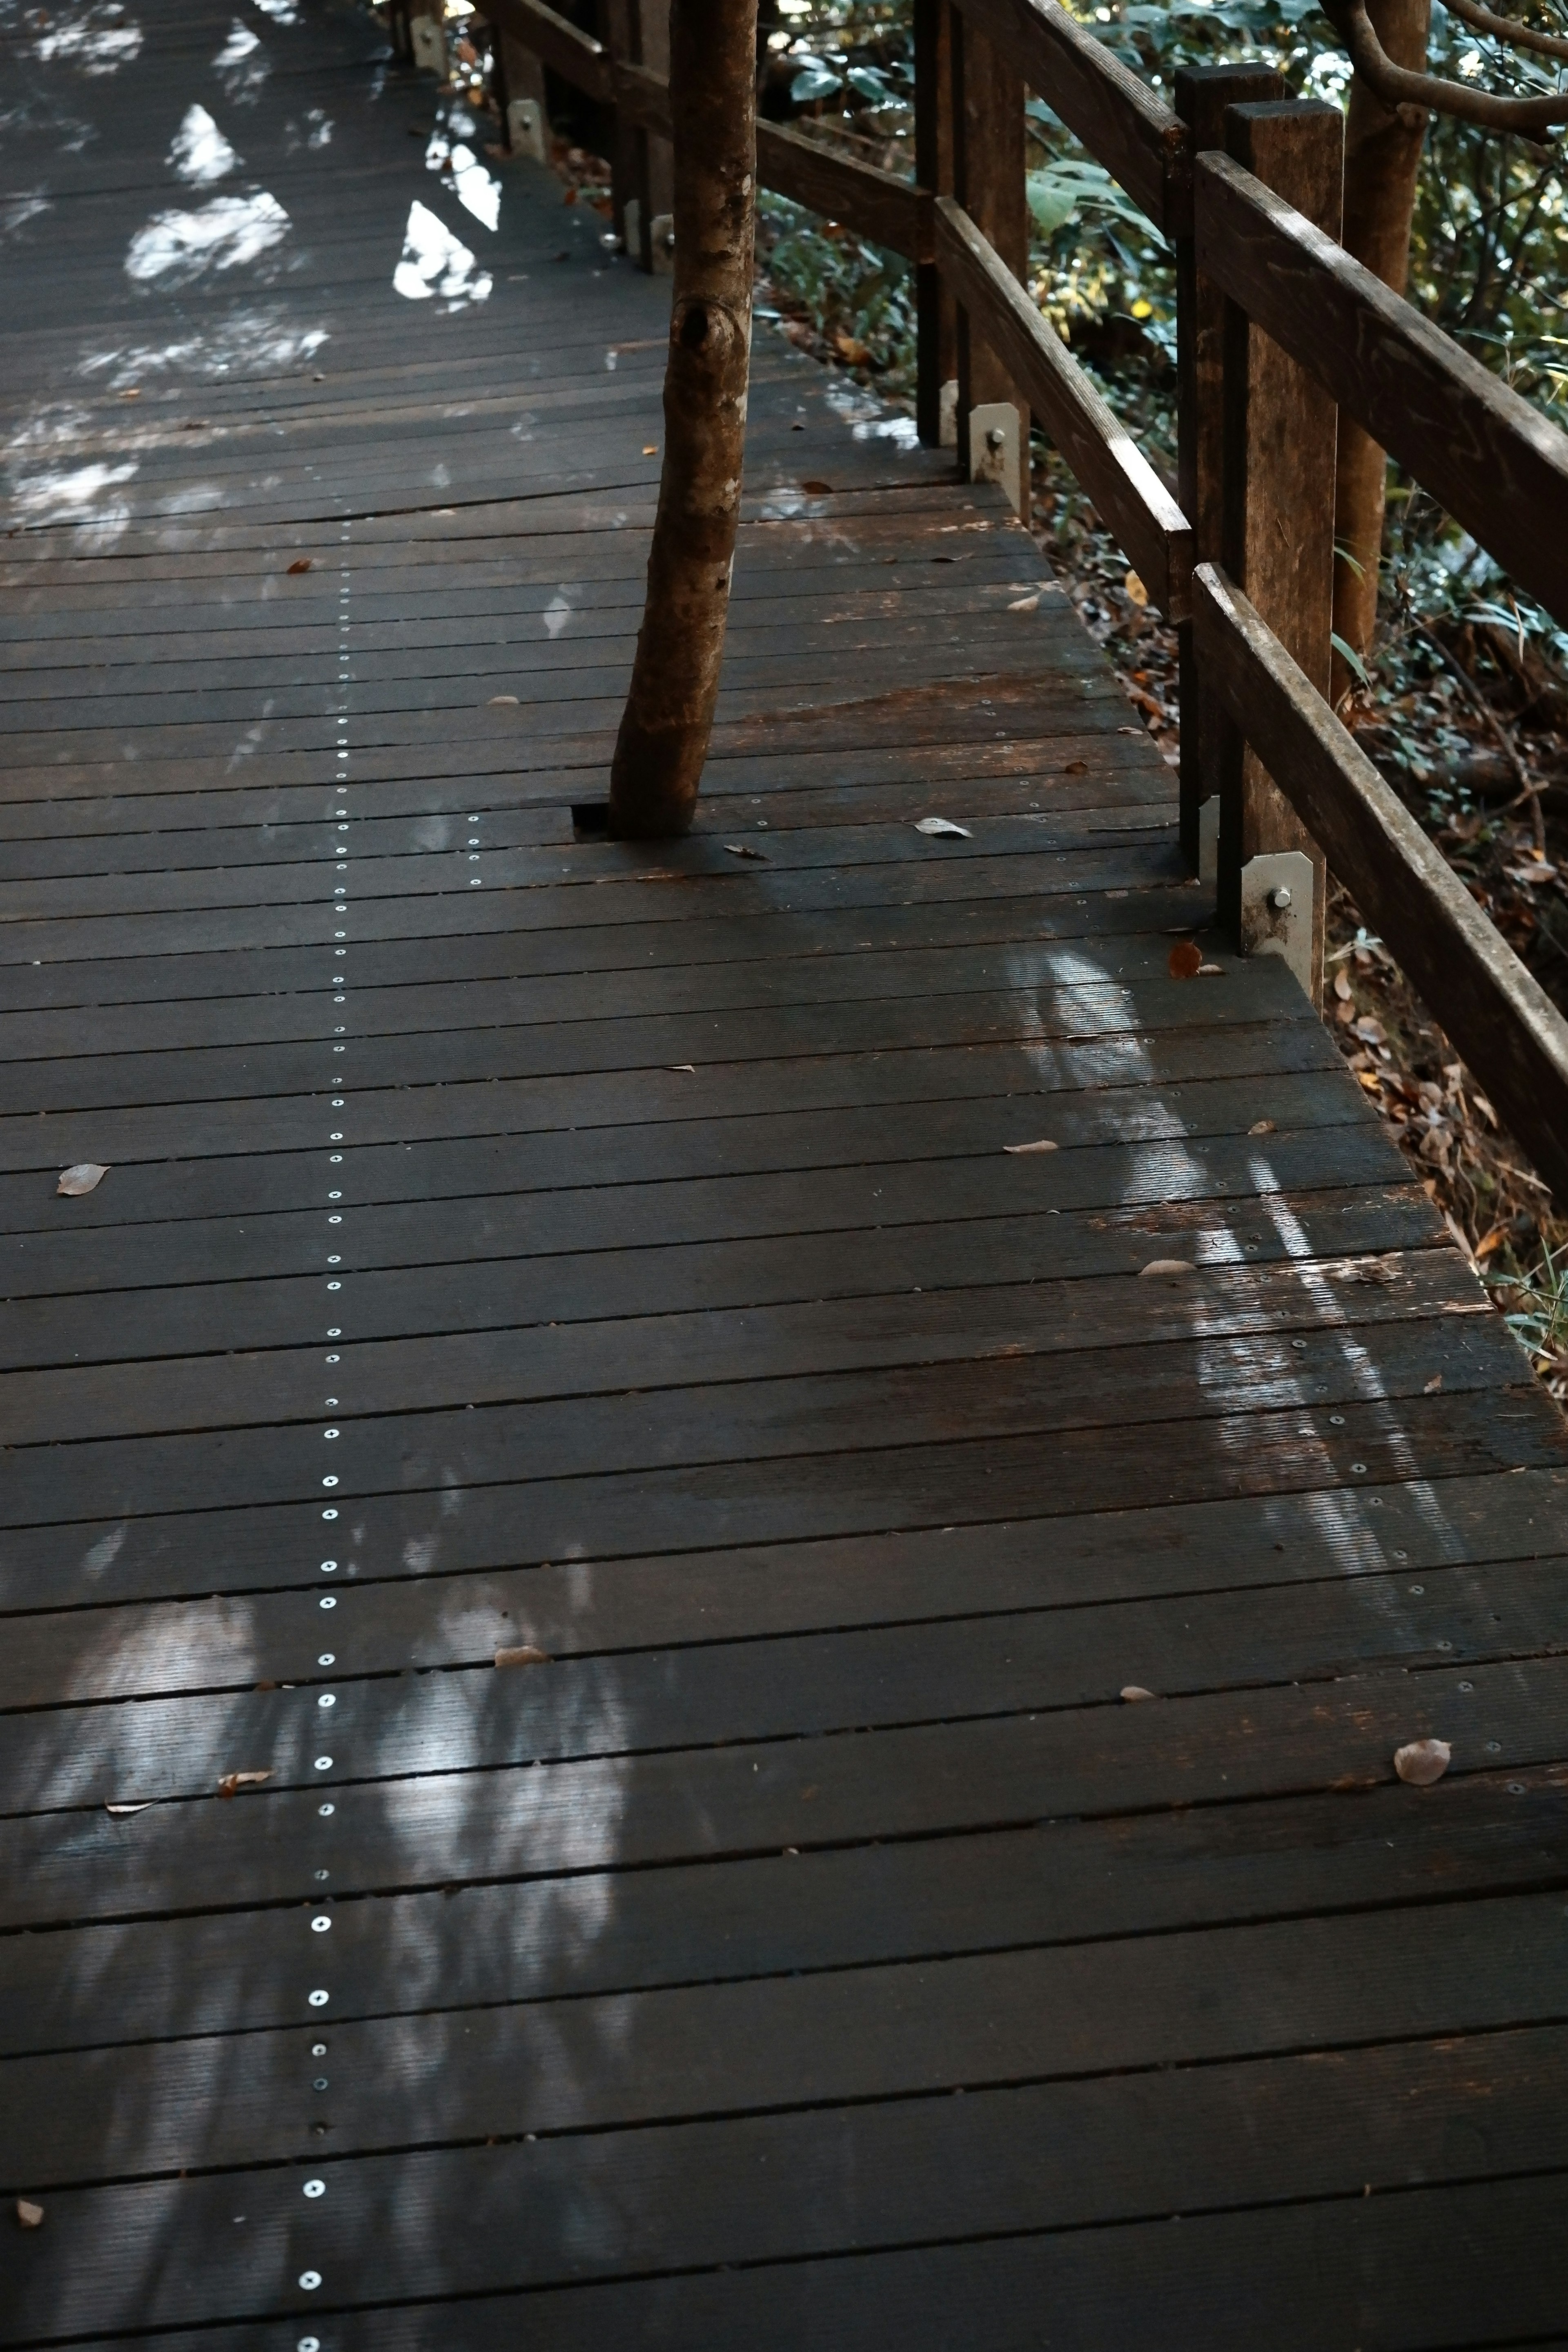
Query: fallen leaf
x=120, y=1811
x=817, y=489
x=497, y=700
x=650, y=448
x=1262, y=1127
x=1162, y=1265
x=1135, y=589
x=302, y=563
x=744, y=849
x=85, y=1177
x=1186, y=959
x=1211, y=972
x=1133, y=1691
x=1343, y=987
x=1044, y=1144
x=1076, y=767
x=1422, y=1761
x=1026, y=604
x=1131, y=731
x=234, y=1781
x=29, y=2216
x=689, y=1067
x=1433, y=1385
x=134, y=393
x=524, y=1655
x=944, y=826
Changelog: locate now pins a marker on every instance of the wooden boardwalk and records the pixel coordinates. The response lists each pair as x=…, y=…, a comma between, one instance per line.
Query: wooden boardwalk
x=515, y=1240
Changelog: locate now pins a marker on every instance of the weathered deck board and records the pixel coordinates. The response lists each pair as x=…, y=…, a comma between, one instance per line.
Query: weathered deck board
x=514, y=1238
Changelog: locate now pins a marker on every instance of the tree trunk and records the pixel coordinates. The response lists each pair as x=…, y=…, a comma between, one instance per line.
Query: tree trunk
x=1382, y=160
x=668, y=716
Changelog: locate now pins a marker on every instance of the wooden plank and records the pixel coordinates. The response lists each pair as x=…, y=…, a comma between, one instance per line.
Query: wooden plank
x=1501, y=1019
x=1497, y=463
x=873, y=203
x=1129, y=495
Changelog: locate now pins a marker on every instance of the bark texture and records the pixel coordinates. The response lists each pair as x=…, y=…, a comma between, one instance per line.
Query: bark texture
x=665, y=728
x=1383, y=157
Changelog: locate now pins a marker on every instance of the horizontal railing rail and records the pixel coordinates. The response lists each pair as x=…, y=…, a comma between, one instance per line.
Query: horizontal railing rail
x=1273, y=315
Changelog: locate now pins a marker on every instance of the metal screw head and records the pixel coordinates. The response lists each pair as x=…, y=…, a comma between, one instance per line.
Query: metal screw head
x=315, y=2188
x=994, y=438
x=1280, y=897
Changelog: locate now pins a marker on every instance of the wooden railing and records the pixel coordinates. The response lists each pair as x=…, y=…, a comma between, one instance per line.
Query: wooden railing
x=1278, y=331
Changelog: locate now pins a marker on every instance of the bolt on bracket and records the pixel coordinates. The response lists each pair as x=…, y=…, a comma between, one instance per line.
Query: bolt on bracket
x=994, y=454
x=1277, y=910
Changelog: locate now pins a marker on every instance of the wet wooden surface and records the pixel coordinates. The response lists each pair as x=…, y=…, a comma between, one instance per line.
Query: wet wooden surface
x=515, y=1240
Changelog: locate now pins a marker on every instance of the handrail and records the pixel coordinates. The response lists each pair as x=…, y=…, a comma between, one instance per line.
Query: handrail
x=1497, y=465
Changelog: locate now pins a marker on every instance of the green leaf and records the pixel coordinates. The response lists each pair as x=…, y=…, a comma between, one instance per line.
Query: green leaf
x=1351, y=658
x=814, y=81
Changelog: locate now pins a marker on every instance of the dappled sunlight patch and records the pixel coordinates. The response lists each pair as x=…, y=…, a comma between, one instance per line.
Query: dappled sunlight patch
x=242, y=65
x=477, y=190
x=176, y=247
x=85, y=496
x=256, y=340
x=435, y=263
x=98, y=40
x=201, y=153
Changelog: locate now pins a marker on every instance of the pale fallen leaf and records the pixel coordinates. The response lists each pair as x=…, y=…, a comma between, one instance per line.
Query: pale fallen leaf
x=1211, y=972
x=1025, y=603
x=302, y=563
x=944, y=826
x=523, y=1655
x=1186, y=959
x=232, y=1782
x=1162, y=1266
x=1132, y=1691
x=744, y=849
x=120, y=1811
x=1135, y=589
x=28, y=2215
x=1262, y=1127
x=689, y=1067
x=1343, y=986
x=1044, y=1144
x=650, y=448
x=497, y=701
x=1422, y=1761
x=1433, y=1385
x=85, y=1177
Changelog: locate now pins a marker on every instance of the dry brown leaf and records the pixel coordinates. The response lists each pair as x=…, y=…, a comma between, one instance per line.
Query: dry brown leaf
x=30, y=2216
x=817, y=489
x=1161, y=1266
x=1422, y=1761
x=85, y=1177
x=1076, y=767
x=232, y=1782
x=1044, y=1144
x=1186, y=959
x=1343, y=986
x=1133, y=1691
x=744, y=849
x=1135, y=589
x=497, y=701
x=302, y=563
x=1433, y=1385
x=523, y=1655
x=1262, y=1127
x=120, y=1811
x=650, y=448
x=1025, y=603
x=944, y=826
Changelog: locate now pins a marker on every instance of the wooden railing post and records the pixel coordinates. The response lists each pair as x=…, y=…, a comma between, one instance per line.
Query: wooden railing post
x=988, y=176
x=936, y=317
x=1202, y=95
x=620, y=31
x=656, y=201
x=1278, y=536
x=520, y=76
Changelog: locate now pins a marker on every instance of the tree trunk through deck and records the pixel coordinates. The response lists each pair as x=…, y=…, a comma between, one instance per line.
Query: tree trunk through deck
x=664, y=731
x=1383, y=156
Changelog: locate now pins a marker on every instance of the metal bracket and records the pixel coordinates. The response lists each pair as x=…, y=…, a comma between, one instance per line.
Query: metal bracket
x=1208, y=839
x=525, y=129
x=429, y=43
x=994, y=448
x=661, y=244
x=1277, y=910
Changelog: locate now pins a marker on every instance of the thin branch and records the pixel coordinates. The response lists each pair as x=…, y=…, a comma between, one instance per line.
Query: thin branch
x=1412, y=96
x=1503, y=28
x=1528, y=795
